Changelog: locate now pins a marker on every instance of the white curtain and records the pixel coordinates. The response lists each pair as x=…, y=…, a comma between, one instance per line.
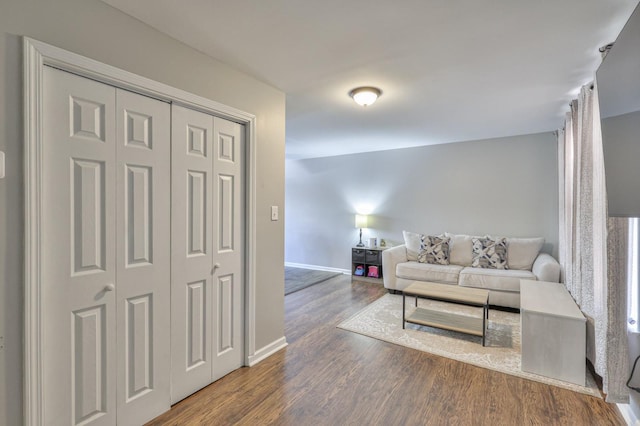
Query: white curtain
x=591, y=245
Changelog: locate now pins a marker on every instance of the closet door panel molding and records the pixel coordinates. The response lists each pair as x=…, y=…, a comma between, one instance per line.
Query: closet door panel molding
x=143, y=153
x=191, y=230
x=229, y=247
x=78, y=250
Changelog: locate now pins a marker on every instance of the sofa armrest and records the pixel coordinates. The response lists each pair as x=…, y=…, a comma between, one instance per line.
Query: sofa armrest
x=390, y=258
x=546, y=268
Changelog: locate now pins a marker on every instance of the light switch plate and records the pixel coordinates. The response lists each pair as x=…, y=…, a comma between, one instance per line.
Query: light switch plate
x=1, y=164
x=274, y=212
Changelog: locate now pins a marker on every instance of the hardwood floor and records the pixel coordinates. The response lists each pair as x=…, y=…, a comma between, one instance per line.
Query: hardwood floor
x=328, y=376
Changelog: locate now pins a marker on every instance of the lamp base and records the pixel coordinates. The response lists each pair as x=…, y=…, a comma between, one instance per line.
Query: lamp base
x=360, y=244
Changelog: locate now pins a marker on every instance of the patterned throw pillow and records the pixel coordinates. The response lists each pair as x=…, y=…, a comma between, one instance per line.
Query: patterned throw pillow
x=434, y=250
x=489, y=253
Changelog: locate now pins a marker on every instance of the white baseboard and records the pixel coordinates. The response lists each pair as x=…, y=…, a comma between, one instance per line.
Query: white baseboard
x=267, y=351
x=628, y=414
x=318, y=268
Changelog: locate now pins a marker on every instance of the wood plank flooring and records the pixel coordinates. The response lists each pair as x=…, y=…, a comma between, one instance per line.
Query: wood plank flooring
x=328, y=376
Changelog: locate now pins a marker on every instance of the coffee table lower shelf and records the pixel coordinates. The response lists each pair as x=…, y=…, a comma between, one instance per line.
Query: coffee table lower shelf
x=447, y=321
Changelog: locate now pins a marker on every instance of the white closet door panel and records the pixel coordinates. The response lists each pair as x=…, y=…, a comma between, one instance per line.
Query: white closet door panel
x=78, y=250
x=143, y=256
x=228, y=294
x=191, y=251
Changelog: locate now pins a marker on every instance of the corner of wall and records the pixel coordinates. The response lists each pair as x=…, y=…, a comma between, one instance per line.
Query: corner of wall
x=266, y=351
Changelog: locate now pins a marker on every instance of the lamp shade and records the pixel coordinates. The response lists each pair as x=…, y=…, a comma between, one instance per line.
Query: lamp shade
x=361, y=221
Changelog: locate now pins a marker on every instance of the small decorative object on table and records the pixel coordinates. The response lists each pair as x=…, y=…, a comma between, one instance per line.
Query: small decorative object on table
x=383, y=243
x=373, y=242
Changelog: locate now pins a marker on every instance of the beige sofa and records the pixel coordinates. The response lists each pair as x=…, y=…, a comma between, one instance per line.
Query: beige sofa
x=524, y=260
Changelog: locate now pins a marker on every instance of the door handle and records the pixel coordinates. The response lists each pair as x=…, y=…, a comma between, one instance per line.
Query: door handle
x=109, y=287
x=215, y=266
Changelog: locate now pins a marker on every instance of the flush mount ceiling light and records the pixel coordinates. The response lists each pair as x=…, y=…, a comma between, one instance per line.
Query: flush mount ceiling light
x=365, y=95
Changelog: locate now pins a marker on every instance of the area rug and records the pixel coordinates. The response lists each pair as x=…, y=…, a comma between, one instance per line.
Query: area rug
x=298, y=278
x=382, y=320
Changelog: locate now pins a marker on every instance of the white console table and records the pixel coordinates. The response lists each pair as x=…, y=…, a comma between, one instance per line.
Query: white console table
x=553, y=332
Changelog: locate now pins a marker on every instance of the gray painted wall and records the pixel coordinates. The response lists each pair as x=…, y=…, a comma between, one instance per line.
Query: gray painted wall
x=506, y=186
x=621, y=143
x=96, y=30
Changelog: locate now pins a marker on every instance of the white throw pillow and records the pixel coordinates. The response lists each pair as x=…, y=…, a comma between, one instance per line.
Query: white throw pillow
x=460, y=249
x=412, y=242
x=522, y=252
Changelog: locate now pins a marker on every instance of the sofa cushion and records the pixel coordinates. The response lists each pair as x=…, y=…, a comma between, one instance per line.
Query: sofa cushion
x=428, y=272
x=494, y=279
x=522, y=252
x=460, y=249
x=412, y=242
x=489, y=253
x=434, y=250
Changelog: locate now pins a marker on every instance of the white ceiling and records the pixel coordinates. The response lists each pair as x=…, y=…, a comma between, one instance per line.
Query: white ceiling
x=450, y=70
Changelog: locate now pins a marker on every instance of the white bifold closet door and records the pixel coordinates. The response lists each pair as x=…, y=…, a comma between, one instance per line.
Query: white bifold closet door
x=207, y=285
x=105, y=253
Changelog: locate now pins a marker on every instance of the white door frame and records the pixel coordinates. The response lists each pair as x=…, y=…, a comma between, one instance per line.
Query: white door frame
x=36, y=55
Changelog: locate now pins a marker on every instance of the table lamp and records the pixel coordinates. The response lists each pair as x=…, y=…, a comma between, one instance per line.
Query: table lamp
x=361, y=222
